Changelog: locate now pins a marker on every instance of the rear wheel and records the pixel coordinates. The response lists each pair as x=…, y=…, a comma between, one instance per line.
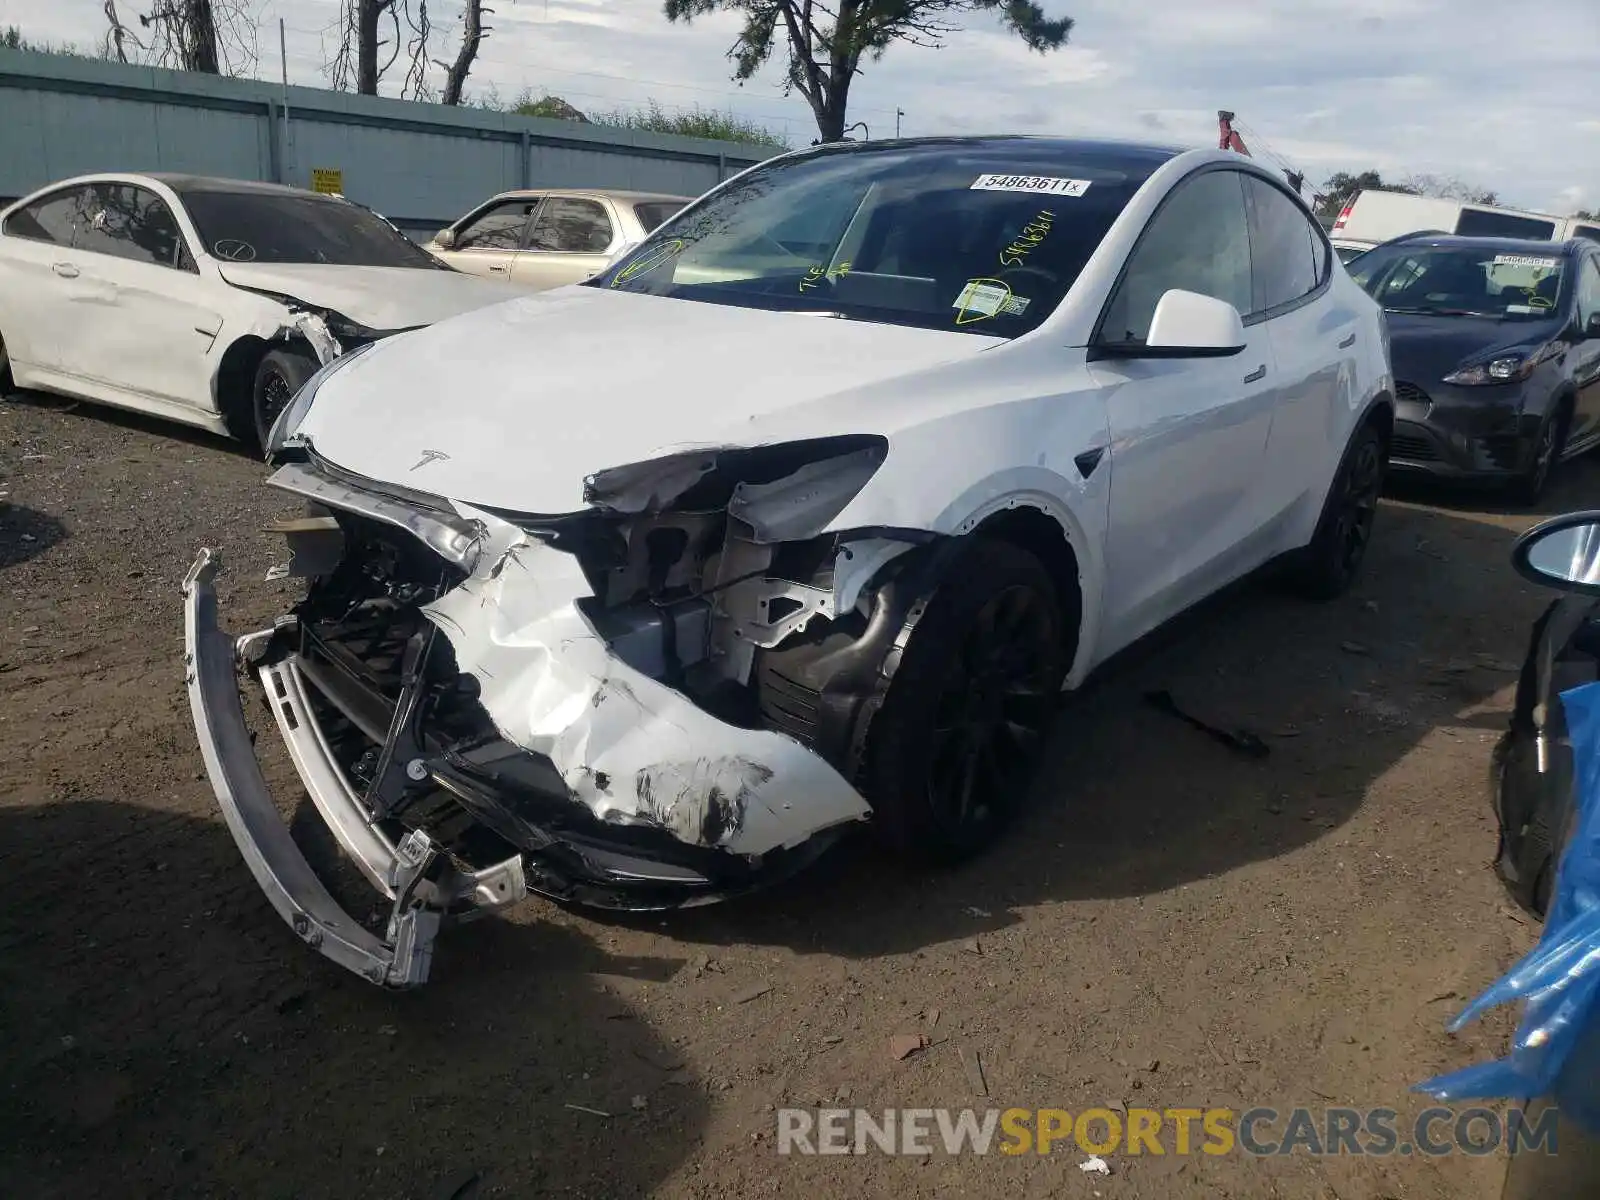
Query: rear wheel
x=280, y=374
x=954, y=746
x=1327, y=567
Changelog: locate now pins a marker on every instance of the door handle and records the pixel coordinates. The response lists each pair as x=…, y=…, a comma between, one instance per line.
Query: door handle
x=1259, y=373
x=65, y=270
x=500, y=270
x=1348, y=342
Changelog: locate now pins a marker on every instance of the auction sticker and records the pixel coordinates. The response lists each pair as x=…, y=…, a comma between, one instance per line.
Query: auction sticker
x=1048, y=185
x=983, y=298
x=1525, y=260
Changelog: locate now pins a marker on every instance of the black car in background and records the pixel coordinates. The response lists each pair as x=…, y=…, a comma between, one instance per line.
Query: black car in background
x=1496, y=350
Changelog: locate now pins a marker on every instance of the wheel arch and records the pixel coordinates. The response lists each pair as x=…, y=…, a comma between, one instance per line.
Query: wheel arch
x=234, y=383
x=1029, y=527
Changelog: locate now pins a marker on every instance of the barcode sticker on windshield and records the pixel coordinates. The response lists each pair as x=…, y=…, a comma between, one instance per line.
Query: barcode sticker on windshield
x=985, y=298
x=1525, y=260
x=1043, y=184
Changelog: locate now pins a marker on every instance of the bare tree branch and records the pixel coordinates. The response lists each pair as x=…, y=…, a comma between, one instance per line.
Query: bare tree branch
x=473, y=31
x=416, y=84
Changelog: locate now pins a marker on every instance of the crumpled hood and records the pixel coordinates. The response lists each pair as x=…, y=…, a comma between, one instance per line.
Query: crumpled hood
x=1424, y=349
x=381, y=298
x=511, y=407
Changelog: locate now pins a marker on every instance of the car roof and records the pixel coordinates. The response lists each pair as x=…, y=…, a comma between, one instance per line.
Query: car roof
x=1500, y=245
x=209, y=183
x=1134, y=158
x=626, y=197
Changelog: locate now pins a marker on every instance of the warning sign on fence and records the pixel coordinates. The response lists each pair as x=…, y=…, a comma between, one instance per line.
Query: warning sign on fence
x=327, y=180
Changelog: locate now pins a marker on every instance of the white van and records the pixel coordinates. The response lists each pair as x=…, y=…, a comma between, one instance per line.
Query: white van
x=1582, y=227
x=1373, y=217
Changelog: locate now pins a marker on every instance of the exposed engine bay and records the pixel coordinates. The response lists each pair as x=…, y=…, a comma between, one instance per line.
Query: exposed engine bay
x=661, y=700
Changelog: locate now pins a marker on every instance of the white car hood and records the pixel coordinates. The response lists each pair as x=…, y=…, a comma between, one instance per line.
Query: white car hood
x=381, y=298
x=511, y=407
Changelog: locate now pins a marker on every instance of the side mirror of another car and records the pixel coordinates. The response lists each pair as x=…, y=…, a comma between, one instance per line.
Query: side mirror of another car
x=1592, y=328
x=1189, y=325
x=445, y=239
x=1563, y=552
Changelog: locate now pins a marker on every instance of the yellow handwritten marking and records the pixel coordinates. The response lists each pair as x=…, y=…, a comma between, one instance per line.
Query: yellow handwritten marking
x=658, y=256
x=965, y=314
x=815, y=275
x=1023, y=244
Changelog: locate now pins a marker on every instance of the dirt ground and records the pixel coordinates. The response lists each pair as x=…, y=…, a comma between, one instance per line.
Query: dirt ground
x=1170, y=925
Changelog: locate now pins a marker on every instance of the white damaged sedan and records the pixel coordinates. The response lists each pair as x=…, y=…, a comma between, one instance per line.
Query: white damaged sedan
x=640, y=592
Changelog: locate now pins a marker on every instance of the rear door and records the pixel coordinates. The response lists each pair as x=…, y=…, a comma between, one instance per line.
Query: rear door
x=38, y=277
x=146, y=318
x=571, y=240
x=487, y=243
x=1313, y=332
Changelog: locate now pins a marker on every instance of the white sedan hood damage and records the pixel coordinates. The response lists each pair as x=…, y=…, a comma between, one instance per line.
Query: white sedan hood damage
x=513, y=407
x=381, y=298
x=632, y=749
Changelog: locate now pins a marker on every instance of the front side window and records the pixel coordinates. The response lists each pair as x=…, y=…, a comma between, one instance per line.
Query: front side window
x=1288, y=259
x=1457, y=281
x=53, y=218
x=132, y=223
x=1588, y=292
x=1198, y=241
x=983, y=238
x=500, y=228
x=286, y=227
x=573, y=225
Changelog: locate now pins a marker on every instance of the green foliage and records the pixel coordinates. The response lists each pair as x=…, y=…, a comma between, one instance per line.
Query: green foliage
x=11, y=39
x=653, y=118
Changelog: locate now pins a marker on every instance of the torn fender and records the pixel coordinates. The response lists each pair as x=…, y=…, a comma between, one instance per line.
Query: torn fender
x=630, y=748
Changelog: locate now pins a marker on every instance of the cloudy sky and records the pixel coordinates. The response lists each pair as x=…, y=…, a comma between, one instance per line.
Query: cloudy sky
x=1502, y=95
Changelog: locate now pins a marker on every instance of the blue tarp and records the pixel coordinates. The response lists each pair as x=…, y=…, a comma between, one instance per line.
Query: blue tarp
x=1556, y=1053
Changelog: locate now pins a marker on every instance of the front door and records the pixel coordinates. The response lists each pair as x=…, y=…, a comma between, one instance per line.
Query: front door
x=571, y=240
x=1586, y=355
x=487, y=242
x=39, y=279
x=146, y=318
x=1188, y=435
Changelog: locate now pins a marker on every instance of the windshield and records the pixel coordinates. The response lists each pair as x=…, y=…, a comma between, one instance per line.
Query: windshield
x=265, y=227
x=1459, y=281
x=983, y=238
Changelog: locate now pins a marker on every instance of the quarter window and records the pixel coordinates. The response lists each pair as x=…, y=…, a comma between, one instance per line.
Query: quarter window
x=1199, y=241
x=1288, y=257
x=567, y=223
x=1588, y=291
x=501, y=228
x=130, y=222
x=52, y=218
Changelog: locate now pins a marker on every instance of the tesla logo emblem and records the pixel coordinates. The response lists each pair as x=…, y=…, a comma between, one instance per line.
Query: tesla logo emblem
x=430, y=456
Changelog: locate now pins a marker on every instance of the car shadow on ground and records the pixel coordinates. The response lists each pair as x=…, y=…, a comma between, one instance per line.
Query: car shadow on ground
x=1131, y=802
x=159, y=427
x=25, y=532
x=167, y=1035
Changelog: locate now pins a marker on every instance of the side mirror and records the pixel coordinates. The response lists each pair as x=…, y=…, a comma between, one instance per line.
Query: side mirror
x=445, y=239
x=1592, y=328
x=1189, y=324
x=1563, y=553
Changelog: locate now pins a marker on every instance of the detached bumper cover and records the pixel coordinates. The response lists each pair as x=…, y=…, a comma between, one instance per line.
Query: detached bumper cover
x=402, y=956
x=1461, y=432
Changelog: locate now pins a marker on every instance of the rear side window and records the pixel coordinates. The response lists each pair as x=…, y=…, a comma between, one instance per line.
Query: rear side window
x=1474, y=222
x=1199, y=241
x=130, y=222
x=51, y=218
x=1591, y=232
x=569, y=224
x=652, y=212
x=1288, y=258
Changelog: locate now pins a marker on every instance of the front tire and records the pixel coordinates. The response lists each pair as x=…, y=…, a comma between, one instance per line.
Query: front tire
x=1325, y=569
x=280, y=374
x=1530, y=486
x=954, y=746
x=8, y=383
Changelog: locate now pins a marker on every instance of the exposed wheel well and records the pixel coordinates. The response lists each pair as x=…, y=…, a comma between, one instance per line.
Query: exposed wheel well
x=1041, y=535
x=236, y=382
x=1381, y=417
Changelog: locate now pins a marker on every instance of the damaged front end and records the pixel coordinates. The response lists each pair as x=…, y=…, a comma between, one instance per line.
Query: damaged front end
x=660, y=700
